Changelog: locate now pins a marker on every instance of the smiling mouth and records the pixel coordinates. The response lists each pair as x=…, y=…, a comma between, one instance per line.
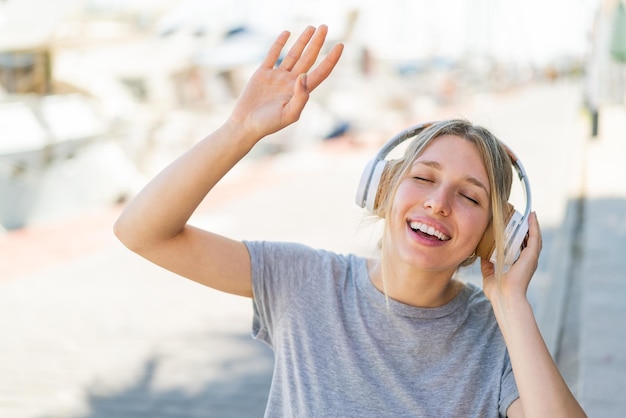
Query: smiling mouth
x=428, y=230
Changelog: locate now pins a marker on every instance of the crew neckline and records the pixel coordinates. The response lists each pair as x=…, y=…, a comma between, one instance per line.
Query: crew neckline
x=377, y=297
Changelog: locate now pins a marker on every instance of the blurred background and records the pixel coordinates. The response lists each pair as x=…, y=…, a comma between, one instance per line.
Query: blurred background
x=118, y=87
x=96, y=96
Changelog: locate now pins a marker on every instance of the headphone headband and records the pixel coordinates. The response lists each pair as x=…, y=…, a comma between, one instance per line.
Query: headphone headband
x=400, y=138
x=366, y=187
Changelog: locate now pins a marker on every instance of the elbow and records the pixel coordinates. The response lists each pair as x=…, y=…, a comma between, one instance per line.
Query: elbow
x=138, y=235
x=123, y=231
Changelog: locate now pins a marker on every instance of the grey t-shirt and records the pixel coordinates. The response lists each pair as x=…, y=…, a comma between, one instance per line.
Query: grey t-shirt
x=342, y=349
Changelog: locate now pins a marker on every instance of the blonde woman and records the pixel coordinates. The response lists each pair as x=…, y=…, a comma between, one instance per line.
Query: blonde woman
x=396, y=336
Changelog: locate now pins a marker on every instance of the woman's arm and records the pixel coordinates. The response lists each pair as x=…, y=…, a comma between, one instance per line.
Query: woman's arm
x=543, y=391
x=154, y=223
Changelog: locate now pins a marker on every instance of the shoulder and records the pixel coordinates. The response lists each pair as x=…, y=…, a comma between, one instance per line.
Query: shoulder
x=476, y=297
x=479, y=310
x=280, y=250
x=296, y=257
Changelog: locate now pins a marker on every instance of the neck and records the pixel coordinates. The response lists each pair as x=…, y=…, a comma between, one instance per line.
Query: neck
x=411, y=286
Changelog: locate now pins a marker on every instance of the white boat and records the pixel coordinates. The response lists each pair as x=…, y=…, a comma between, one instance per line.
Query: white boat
x=37, y=133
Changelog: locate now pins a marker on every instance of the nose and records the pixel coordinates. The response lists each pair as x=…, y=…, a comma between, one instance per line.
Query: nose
x=438, y=201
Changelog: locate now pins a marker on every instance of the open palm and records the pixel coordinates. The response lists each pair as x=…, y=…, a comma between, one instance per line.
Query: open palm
x=276, y=95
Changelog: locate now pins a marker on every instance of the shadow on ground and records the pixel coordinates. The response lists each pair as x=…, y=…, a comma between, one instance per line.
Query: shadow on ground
x=238, y=389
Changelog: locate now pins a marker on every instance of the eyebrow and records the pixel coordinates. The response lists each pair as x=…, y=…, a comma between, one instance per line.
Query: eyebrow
x=469, y=179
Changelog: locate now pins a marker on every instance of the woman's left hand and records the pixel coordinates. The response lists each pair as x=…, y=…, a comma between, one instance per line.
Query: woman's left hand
x=515, y=281
x=542, y=389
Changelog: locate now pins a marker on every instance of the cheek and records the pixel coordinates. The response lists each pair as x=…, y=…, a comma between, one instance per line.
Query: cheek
x=406, y=195
x=476, y=221
x=403, y=200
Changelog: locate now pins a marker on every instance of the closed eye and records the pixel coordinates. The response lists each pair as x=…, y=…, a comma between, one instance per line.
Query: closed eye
x=470, y=199
x=423, y=179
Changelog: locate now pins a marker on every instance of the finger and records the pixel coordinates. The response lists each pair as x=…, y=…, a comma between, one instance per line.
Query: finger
x=534, y=233
x=529, y=257
x=487, y=268
x=274, y=52
x=324, y=68
x=299, y=99
x=310, y=55
x=296, y=50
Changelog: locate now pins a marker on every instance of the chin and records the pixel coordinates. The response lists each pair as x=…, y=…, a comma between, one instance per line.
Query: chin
x=430, y=264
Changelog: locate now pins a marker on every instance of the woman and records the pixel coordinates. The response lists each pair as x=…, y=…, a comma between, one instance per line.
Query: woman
x=394, y=336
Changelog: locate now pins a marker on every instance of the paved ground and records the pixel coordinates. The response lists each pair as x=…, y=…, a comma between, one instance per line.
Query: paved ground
x=600, y=271
x=91, y=330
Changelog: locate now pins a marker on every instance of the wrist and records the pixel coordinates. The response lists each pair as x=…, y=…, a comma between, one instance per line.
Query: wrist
x=510, y=305
x=237, y=133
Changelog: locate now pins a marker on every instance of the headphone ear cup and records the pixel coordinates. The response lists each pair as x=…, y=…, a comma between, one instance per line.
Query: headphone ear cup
x=486, y=248
x=372, y=190
x=487, y=243
x=517, y=241
x=368, y=186
x=361, y=191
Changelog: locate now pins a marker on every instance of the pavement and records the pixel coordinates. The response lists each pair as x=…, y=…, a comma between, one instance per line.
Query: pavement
x=599, y=271
x=90, y=330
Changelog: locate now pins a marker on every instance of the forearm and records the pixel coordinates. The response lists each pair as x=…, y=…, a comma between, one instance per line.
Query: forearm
x=543, y=391
x=161, y=210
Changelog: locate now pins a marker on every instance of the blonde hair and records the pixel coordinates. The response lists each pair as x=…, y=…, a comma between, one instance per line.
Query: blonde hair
x=497, y=164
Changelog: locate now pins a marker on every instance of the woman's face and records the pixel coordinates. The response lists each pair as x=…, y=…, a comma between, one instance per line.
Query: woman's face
x=442, y=206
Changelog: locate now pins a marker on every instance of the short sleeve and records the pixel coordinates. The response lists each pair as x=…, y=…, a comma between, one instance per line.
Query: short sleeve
x=278, y=271
x=508, y=388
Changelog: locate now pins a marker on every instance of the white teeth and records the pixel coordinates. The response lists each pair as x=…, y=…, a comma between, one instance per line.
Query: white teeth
x=418, y=226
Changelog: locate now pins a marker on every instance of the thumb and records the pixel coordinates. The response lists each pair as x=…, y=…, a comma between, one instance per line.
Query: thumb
x=302, y=82
x=300, y=96
x=487, y=268
x=300, y=89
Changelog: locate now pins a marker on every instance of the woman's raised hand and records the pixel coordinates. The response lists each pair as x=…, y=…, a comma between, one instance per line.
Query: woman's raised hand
x=276, y=95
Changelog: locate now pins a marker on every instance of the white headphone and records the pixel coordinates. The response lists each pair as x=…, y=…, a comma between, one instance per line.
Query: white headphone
x=517, y=223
